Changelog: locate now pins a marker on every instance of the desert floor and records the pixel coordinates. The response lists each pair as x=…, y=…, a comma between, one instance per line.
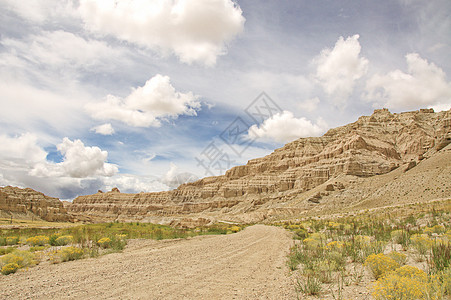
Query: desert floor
x=250, y=264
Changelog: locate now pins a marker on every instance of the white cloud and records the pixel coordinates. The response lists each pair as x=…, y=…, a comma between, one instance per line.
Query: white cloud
x=20, y=150
x=23, y=163
x=40, y=11
x=79, y=162
x=195, y=30
x=337, y=69
x=104, y=129
x=174, y=179
x=128, y=183
x=424, y=85
x=62, y=49
x=284, y=127
x=147, y=105
x=309, y=105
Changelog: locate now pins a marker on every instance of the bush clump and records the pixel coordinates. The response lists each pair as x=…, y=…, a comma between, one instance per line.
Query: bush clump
x=70, y=253
x=63, y=240
x=379, y=264
x=39, y=240
x=104, y=242
x=9, y=268
x=400, y=258
x=421, y=242
x=407, y=282
x=20, y=257
x=12, y=240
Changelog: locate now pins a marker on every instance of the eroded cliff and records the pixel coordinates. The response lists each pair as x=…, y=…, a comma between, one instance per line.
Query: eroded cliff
x=28, y=202
x=283, y=182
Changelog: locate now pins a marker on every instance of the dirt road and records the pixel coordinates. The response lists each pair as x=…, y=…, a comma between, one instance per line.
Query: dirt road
x=246, y=265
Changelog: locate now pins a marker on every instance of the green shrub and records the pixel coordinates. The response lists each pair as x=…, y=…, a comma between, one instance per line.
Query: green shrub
x=52, y=239
x=311, y=286
x=7, y=250
x=440, y=257
x=12, y=240
x=300, y=234
x=64, y=240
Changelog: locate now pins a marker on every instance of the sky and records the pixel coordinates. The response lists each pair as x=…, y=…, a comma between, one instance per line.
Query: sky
x=145, y=95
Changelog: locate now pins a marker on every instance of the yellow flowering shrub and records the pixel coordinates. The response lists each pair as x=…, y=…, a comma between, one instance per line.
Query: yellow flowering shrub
x=335, y=245
x=20, y=257
x=407, y=282
x=379, y=264
x=12, y=240
x=400, y=258
x=9, y=268
x=70, y=253
x=104, y=242
x=39, y=240
x=334, y=225
x=64, y=240
x=235, y=228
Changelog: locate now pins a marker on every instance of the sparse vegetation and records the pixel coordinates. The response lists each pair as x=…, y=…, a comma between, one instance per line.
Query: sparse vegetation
x=70, y=243
x=336, y=253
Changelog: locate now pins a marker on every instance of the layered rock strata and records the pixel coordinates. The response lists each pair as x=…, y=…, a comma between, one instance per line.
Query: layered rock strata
x=28, y=202
x=371, y=146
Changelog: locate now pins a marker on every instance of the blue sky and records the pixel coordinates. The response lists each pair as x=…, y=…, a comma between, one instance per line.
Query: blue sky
x=133, y=94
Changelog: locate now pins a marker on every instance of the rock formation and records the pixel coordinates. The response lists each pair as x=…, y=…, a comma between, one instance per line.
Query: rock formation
x=291, y=179
x=27, y=202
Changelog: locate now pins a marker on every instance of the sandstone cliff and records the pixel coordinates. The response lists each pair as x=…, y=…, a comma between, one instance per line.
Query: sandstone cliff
x=28, y=202
x=297, y=177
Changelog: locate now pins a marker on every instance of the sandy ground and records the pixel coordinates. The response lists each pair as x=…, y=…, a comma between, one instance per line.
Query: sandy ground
x=246, y=265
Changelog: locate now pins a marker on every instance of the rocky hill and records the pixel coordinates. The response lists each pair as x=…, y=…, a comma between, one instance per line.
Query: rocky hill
x=377, y=160
x=26, y=203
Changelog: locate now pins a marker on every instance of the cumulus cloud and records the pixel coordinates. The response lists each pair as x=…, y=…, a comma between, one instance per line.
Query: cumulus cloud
x=174, y=179
x=79, y=162
x=23, y=163
x=104, y=129
x=284, y=127
x=147, y=105
x=20, y=150
x=424, y=85
x=195, y=30
x=338, y=69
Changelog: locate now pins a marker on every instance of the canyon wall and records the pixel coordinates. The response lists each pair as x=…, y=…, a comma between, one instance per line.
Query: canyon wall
x=28, y=202
x=371, y=146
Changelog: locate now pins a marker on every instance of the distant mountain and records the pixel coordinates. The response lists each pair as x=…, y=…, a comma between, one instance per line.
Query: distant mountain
x=382, y=159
